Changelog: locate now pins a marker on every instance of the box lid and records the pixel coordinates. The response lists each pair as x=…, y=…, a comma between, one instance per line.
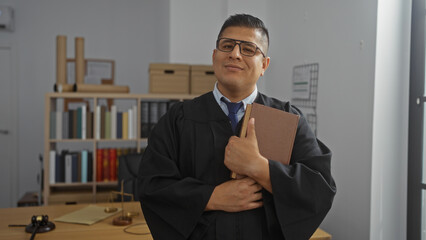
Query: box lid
x=201, y=67
x=169, y=66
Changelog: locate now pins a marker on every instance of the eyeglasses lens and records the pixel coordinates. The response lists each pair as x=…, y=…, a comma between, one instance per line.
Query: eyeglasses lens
x=246, y=48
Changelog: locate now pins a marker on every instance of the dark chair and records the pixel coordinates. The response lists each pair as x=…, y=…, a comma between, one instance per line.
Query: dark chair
x=128, y=167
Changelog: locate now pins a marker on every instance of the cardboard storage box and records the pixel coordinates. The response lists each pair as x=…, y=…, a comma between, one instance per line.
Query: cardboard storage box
x=169, y=78
x=202, y=79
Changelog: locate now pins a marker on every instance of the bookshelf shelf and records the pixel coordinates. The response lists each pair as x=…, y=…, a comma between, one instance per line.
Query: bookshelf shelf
x=106, y=184
x=81, y=139
x=118, y=140
x=71, y=140
x=70, y=185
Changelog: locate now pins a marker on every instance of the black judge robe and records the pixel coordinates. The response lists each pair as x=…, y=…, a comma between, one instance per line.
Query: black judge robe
x=184, y=161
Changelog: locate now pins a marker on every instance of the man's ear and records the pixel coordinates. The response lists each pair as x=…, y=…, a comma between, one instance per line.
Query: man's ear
x=213, y=55
x=265, y=65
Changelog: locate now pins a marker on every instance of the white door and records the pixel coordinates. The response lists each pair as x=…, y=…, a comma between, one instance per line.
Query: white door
x=8, y=161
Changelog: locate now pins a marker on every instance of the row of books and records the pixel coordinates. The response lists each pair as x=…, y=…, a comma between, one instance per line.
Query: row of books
x=78, y=166
x=110, y=123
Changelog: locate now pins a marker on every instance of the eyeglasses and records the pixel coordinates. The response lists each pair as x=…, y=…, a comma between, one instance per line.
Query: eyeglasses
x=246, y=48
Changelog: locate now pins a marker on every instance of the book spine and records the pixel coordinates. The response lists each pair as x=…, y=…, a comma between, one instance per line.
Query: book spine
x=105, y=156
x=79, y=123
x=99, y=165
x=125, y=129
x=153, y=114
x=102, y=129
x=52, y=167
x=134, y=121
x=52, y=129
x=107, y=125
x=144, y=119
x=90, y=167
x=83, y=122
x=130, y=124
x=75, y=168
x=162, y=108
x=74, y=127
x=70, y=124
x=89, y=125
x=60, y=168
x=113, y=164
x=58, y=125
x=119, y=125
x=113, y=122
x=84, y=166
x=68, y=168
x=98, y=122
x=65, y=125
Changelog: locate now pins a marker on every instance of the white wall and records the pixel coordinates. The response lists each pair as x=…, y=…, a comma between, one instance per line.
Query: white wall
x=133, y=33
x=390, y=126
x=340, y=36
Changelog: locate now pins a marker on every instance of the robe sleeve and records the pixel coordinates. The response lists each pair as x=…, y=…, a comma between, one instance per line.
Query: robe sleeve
x=173, y=204
x=303, y=191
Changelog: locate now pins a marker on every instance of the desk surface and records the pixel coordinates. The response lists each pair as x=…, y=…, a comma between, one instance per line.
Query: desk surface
x=66, y=231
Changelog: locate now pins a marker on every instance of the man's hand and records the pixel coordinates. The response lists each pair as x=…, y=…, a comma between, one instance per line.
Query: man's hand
x=242, y=157
x=236, y=195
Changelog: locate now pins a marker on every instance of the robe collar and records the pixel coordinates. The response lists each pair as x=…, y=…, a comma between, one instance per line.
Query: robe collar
x=205, y=108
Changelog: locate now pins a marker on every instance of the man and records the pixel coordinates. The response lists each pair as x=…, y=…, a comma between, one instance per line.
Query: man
x=184, y=178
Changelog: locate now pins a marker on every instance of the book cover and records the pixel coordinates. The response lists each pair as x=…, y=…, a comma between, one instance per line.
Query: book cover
x=275, y=131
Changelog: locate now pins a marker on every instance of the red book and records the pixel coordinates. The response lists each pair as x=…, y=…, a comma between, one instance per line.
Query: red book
x=99, y=165
x=113, y=164
x=105, y=157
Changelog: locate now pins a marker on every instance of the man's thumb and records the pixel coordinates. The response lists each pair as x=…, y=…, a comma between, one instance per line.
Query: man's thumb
x=250, y=129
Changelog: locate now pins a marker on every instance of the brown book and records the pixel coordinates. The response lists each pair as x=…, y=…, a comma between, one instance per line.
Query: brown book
x=275, y=131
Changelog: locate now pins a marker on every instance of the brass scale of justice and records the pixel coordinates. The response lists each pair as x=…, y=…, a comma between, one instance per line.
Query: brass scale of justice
x=124, y=219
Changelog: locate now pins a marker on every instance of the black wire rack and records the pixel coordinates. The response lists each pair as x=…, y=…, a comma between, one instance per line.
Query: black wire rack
x=305, y=91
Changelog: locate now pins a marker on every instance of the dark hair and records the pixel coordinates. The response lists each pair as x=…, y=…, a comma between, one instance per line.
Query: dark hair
x=245, y=20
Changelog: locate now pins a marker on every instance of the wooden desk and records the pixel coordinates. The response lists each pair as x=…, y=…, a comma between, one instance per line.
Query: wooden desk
x=101, y=230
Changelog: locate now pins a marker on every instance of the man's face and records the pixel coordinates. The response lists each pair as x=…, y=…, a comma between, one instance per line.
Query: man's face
x=237, y=74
